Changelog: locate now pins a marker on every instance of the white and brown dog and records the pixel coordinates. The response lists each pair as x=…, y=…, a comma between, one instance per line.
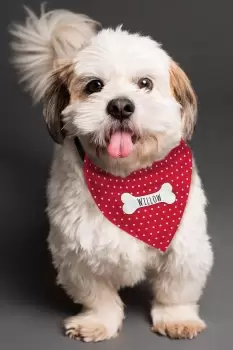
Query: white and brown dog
x=125, y=201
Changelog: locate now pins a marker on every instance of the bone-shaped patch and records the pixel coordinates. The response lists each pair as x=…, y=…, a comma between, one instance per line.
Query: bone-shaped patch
x=164, y=195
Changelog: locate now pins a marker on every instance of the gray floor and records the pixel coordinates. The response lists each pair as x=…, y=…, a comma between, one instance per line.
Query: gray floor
x=31, y=307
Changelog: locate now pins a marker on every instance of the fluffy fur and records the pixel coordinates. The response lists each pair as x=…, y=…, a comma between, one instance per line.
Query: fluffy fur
x=57, y=55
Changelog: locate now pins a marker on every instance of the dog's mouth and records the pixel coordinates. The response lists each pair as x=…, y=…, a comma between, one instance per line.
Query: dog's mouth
x=120, y=142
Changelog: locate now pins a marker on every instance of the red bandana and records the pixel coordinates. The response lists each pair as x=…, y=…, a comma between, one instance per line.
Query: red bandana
x=149, y=203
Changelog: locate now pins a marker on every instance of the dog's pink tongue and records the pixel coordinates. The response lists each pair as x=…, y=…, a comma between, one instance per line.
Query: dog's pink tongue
x=120, y=144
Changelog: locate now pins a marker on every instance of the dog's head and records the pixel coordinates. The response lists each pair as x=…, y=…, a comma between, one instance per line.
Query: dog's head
x=121, y=94
x=125, y=98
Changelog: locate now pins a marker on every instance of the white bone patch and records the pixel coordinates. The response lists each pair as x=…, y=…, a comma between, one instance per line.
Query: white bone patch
x=164, y=195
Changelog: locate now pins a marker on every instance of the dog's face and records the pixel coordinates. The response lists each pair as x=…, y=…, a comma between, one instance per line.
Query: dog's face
x=125, y=98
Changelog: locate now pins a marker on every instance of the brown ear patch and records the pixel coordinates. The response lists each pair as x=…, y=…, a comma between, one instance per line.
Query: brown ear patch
x=184, y=94
x=56, y=98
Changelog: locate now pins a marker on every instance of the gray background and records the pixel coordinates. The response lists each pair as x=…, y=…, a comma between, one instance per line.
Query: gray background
x=198, y=34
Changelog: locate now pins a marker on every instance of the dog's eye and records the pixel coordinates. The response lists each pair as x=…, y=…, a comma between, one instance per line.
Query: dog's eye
x=95, y=85
x=145, y=83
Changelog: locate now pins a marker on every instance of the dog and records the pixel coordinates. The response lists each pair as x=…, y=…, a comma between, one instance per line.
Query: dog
x=125, y=200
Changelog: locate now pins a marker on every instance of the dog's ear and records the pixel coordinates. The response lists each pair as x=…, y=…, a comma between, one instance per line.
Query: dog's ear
x=56, y=98
x=184, y=94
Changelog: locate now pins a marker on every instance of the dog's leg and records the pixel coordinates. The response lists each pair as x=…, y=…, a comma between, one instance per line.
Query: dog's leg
x=177, y=287
x=102, y=313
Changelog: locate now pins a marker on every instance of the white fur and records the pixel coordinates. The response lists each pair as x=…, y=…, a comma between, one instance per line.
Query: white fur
x=157, y=111
x=39, y=43
x=94, y=258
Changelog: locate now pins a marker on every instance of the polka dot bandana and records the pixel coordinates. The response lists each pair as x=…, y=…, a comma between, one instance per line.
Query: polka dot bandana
x=149, y=203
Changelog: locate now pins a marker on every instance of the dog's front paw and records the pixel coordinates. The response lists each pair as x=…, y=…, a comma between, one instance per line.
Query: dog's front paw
x=87, y=328
x=179, y=330
x=177, y=321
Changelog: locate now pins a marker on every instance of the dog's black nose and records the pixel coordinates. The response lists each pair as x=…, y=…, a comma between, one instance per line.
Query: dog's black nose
x=120, y=108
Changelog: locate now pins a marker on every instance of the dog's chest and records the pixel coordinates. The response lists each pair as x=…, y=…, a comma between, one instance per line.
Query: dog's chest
x=104, y=242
